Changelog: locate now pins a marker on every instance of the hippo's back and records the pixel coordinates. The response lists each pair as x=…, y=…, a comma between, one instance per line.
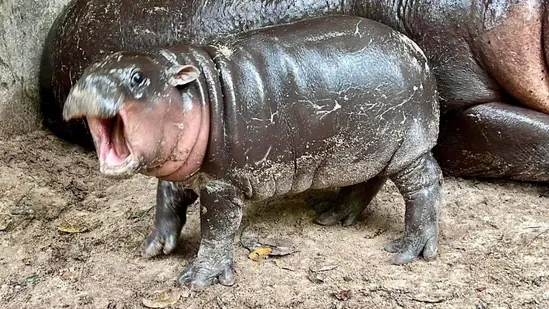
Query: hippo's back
x=320, y=79
x=87, y=30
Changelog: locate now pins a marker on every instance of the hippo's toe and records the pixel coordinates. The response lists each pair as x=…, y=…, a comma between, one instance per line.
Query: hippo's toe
x=203, y=273
x=161, y=241
x=410, y=246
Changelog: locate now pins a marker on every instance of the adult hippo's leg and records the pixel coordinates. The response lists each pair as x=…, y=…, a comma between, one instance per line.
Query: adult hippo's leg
x=172, y=201
x=349, y=202
x=495, y=140
x=420, y=185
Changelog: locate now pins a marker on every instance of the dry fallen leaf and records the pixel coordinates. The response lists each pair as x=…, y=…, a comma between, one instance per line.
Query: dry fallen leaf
x=69, y=275
x=71, y=229
x=259, y=253
x=317, y=277
x=342, y=295
x=73, y=226
x=161, y=299
x=280, y=247
x=277, y=247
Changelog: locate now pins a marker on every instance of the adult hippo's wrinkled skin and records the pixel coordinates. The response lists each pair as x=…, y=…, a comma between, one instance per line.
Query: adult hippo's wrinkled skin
x=327, y=102
x=488, y=58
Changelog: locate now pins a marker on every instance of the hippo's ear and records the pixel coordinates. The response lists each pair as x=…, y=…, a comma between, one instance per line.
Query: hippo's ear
x=182, y=74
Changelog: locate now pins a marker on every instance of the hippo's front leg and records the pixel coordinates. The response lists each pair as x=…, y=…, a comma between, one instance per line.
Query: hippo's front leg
x=172, y=201
x=420, y=185
x=220, y=217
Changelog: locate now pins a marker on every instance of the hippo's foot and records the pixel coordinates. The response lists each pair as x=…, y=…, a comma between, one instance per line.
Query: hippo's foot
x=350, y=203
x=420, y=185
x=172, y=201
x=213, y=264
x=410, y=246
x=495, y=140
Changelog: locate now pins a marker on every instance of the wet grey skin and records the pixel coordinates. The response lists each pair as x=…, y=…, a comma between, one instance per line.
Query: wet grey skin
x=335, y=102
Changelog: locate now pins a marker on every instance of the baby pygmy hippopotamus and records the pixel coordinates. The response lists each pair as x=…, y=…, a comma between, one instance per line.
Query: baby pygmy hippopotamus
x=332, y=102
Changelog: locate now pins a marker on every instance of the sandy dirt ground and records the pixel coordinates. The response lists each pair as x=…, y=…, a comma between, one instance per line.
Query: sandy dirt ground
x=493, y=251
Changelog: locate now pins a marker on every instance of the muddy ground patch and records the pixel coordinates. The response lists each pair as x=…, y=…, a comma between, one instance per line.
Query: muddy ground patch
x=493, y=247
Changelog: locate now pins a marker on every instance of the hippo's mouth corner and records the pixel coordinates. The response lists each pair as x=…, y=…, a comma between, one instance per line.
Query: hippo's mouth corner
x=113, y=150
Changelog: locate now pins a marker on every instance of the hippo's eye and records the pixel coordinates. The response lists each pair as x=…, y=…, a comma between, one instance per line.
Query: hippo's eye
x=137, y=78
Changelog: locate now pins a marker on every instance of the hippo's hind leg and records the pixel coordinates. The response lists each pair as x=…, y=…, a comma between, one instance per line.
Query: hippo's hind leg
x=172, y=201
x=495, y=140
x=220, y=217
x=350, y=202
x=420, y=185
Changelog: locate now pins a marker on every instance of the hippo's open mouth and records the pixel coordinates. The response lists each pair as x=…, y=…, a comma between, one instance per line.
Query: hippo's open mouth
x=113, y=149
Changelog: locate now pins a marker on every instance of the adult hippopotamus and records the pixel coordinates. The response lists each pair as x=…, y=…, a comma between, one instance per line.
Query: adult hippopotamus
x=488, y=58
x=326, y=102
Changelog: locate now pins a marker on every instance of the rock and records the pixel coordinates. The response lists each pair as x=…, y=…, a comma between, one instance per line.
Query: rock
x=24, y=25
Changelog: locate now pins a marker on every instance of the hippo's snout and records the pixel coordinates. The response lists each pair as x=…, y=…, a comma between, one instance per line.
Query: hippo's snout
x=93, y=96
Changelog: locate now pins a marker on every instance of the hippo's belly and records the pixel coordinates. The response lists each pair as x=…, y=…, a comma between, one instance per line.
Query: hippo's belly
x=342, y=164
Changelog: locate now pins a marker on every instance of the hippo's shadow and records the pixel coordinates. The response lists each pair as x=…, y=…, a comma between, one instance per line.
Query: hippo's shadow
x=289, y=211
x=300, y=209
x=189, y=240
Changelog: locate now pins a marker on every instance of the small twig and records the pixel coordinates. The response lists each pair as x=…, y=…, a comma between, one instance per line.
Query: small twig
x=398, y=302
x=429, y=301
x=24, y=195
x=537, y=236
x=388, y=291
x=141, y=234
x=150, y=208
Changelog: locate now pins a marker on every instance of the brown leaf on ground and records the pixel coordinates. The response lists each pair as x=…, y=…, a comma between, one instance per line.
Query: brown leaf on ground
x=342, y=295
x=269, y=246
x=73, y=226
x=317, y=278
x=161, y=299
x=259, y=253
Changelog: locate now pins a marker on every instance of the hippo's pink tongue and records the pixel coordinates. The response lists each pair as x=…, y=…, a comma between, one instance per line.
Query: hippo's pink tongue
x=118, y=140
x=109, y=133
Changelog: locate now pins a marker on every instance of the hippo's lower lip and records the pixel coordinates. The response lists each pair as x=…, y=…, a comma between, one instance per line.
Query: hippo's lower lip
x=114, y=153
